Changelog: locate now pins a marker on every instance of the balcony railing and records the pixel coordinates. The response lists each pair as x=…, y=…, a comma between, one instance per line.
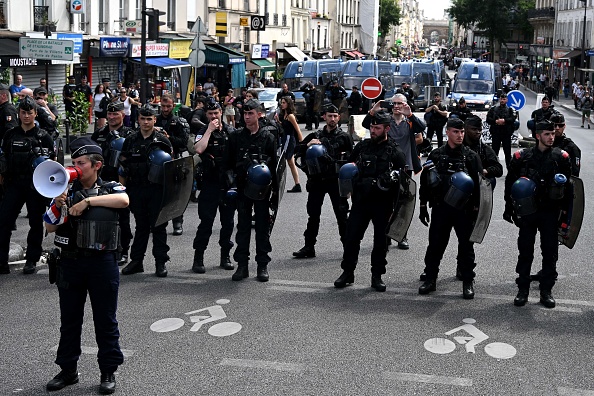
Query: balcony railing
x=170, y=25
x=41, y=19
x=541, y=13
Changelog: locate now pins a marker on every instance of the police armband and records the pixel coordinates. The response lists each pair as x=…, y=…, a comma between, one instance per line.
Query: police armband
x=55, y=215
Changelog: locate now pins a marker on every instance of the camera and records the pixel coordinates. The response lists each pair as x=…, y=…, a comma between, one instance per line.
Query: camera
x=387, y=104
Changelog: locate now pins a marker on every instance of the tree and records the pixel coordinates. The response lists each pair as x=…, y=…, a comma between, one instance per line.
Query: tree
x=389, y=15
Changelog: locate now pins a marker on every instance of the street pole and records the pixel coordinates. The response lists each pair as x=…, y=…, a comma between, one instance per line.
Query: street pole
x=583, y=56
x=143, y=77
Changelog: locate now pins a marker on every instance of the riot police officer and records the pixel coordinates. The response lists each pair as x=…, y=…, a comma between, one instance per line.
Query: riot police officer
x=20, y=147
x=450, y=184
x=336, y=93
x=324, y=152
x=473, y=128
x=110, y=138
x=87, y=265
x=309, y=94
x=145, y=191
x=177, y=130
x=252, y=159
x=536, y=198
x=379, y=161
x=211, y=144
x=566, y=144
x=461, y=111
x=544, y=113
x=8, y=113
x=501, y=118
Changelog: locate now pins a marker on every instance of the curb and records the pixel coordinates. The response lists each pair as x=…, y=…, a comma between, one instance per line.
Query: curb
x=17, y=266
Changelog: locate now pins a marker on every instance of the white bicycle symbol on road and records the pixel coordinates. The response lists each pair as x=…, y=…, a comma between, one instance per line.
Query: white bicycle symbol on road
x=442, y=346
x=215, y=313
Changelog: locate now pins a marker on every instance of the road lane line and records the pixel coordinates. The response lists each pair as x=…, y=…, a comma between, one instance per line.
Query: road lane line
x=263, y=364
x=298, y=289
x=428, y=379
x=93, y=350
x=563, y=391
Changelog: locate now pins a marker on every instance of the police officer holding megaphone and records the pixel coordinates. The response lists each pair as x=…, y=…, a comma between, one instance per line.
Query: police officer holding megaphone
x=23, y=148
x=84, y=218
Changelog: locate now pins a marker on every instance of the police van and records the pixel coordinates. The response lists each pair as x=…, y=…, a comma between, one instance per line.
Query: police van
x=479, y=84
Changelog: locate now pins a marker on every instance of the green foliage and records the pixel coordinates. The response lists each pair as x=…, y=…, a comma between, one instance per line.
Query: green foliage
x=389, y=15
x=5, y=76
x=79, y=118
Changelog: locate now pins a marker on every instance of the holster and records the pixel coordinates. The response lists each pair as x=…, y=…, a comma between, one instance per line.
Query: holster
x=52, y=263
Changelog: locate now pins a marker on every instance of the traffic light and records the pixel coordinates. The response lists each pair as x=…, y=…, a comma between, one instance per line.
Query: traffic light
x=521, y=46
x=154, y=23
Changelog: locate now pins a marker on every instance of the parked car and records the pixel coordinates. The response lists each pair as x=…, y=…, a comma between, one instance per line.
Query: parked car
x=268, y=98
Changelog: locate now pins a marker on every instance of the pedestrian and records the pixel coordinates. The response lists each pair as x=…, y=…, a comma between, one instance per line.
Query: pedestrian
x=335, y=146
x=84, y=88
x=534, y=202
x=566, y=88
x=177, y=130
x=355, y=102
x=20, y=146
x=379, y=161
x=47, y=112
x=292, y=133
x=134, y=94
x=406, y=130
x=50, y=91
x=208, y=85
x=501, y=119
x=17, y=86
x=436, y=117
x=450, y=185
x=145, y=193
x=336, y=93
x=284, y=92
x=127, y=103
x=228, y=104
x=211, y=144
x=544, y=113
x=106, y=138
x=252, y=159
x=68, y=96
x=8, y=113
x=586, y=106
x=86, y=269
x=100, y=112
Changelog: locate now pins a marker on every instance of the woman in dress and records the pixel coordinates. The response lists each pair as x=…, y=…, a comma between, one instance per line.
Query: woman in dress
x=228, y=104
x=293, y=133
x=128, y=102
x=100, y=115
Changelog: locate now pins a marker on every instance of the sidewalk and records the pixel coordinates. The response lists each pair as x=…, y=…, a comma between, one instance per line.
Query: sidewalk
x=562, y=104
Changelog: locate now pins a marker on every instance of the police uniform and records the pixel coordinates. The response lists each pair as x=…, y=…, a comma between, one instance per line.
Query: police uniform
x=501, y=135
x=540, y=167
x=178, y=131
x=145, y=199
x=461, y=112
x=489, y=159
x=68, y=92
x=338, y=147
x=539, y=115
x=20, y=148
x=245, y=149
x=213, y=188
x=8, y=114
x=103, y=137
x=44, y=118
x=374, y=194
x=462, y=163
x=309, y=94
x=568, y=145
x=87, y=265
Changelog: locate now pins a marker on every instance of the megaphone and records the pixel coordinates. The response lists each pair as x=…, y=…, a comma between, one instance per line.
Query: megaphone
x=51, y=179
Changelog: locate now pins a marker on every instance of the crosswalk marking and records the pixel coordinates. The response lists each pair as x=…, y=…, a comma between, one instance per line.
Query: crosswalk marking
x=93, y=350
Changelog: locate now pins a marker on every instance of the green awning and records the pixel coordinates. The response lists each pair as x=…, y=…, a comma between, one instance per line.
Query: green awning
x=265, y=64
x=215, y=58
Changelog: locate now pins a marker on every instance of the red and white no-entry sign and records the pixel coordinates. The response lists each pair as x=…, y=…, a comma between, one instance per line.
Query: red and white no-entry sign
x=371, y=88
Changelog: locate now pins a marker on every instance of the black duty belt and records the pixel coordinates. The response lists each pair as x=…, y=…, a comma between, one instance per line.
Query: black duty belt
x=82, y=253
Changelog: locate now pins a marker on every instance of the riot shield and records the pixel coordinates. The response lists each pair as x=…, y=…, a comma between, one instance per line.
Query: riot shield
x=59, y=149
x=405, y=209
x=569, y=232
x=177, y=187
x=281, y=178
x=483, y=218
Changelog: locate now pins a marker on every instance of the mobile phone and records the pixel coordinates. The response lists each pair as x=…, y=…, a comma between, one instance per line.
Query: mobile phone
x=386, y=104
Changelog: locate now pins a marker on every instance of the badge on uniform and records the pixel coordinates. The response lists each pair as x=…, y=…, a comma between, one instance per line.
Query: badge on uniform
x=198, y=138
x=119, y=188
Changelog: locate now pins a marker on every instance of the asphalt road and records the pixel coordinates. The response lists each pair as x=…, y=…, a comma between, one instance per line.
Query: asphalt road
x=297, y=335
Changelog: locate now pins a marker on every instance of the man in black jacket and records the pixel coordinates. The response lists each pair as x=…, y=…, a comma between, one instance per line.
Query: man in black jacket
x=355, y=102
x=438, y=117
x=502, y=118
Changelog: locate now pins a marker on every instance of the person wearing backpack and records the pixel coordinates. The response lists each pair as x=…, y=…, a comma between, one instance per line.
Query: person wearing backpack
x=586, y=108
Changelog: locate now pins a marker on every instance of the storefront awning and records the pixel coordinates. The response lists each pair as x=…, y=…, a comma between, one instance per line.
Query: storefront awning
x=9, y=47
x=165, y=63
x=234, y=56
x=249, y=66
x=295, y=52
x=264, y=64
x=571, y=54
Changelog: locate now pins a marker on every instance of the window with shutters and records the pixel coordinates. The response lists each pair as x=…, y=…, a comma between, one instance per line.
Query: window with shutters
x=284, y=19
x=275, y=19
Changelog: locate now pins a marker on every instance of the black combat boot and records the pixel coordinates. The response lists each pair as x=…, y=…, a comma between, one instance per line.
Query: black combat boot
x=347, y=277
x=108, y=383
x=428, y=286
x=546, y=299
x=198, y=265
x=522, y=298
x=64, y=378
x=468, y=290
x=29, y=267
x=241, y=273
x=178, y=229
x=134, y=267
x=160, y=270
x=305, y=251
x=226, y=260
x=377, y=283
x=262, y=273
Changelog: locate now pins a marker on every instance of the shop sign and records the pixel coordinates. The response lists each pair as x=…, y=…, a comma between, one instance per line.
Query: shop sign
x=114, y=46
x=260, y=51
x=7, y=61
x=76, y=38
x=154, y=49
x=179, y=49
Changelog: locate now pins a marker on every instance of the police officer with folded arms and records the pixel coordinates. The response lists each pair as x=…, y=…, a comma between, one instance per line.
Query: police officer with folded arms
x=87, y=265
x=537, y=196
x=211, y=143
x=501, y=118
x=450, y=185
x=323, y=153
x=177, y=130
x=21, y=147
x=143, y=154
x=8, y=113
x=251, y=168
x=379, y=162
x=111, y=138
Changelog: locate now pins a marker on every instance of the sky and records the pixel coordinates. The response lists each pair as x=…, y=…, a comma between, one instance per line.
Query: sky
x=434, y=8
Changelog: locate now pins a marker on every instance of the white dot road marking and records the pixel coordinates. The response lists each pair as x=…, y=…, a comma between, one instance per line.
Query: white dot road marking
x=167, y=324
x=500, y=350
x=93, y=350
x=264, y=364
x=428, y=379
x=441, y=346
x=563, y=391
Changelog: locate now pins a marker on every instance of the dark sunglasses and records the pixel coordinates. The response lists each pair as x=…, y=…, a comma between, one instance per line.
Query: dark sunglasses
x=559, y=125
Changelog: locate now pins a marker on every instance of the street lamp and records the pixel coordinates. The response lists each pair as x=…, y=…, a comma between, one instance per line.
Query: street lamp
x=583, y=56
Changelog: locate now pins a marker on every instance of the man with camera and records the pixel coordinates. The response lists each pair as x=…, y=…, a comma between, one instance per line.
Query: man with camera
x=436, y=117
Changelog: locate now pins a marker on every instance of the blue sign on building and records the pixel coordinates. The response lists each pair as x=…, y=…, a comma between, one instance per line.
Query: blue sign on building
x=114, y=46
x=76, y=38
x=516, y=100
x=265, y=51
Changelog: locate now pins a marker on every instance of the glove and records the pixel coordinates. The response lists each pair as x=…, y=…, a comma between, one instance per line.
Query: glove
x=424, y=216
x=509, y=214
